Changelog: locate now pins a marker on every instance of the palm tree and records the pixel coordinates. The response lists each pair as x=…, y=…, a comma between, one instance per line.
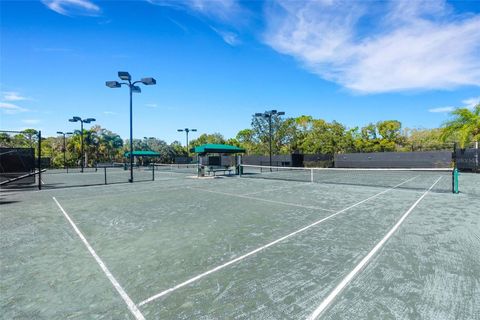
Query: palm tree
x=464, y=127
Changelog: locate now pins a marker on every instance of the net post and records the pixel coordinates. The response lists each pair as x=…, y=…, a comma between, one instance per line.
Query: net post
x=153, y=171
x=39, y=160
x=455, y=181
x=311, y=175
x=105, y=174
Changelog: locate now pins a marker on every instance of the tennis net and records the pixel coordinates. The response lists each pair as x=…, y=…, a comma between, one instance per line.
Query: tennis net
x=177, y=167
x=419, y=179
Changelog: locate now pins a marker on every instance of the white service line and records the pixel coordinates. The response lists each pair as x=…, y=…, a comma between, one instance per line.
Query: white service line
x=325, y=303
x=131, y=306
x=264, y=200
x=269, y=190
x=198, y=277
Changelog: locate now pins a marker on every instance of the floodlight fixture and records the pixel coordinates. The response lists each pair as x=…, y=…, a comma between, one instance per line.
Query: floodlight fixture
x=148, y=81
x=59, y=132
x=269, y=115
x=113, y=84
x=187, y=130
x=124, y=75
x=82, y=121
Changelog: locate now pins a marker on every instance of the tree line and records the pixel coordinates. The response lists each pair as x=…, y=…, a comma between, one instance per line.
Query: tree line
x=303, y=134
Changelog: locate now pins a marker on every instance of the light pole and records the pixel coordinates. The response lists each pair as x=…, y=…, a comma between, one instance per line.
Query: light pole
x=125, y=76
x=187, y=130
x=268, y=115
x=82, y=121
x=64, y=149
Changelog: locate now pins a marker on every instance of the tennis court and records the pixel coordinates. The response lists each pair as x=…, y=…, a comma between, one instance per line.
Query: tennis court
x=242, y=248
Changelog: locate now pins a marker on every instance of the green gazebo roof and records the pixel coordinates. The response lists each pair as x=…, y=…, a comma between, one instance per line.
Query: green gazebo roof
x=217, y=148
x=142, y=153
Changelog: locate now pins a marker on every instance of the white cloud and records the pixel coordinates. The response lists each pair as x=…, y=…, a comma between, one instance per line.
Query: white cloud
x=471, y=103
x=230, y=38
x=441, y=109
x=73, y=7
x=10, y=108
x=13, y=96
x=31, y=121
x=220, y=12
x=224, y=10
x=151, y=105
x=467, y=103
x=373, y=47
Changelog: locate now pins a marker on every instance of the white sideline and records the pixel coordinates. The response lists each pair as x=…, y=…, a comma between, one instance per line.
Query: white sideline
x=268, y=190
x=198, y=277
x=264, y=200
x=325, y=303
x=131, y=306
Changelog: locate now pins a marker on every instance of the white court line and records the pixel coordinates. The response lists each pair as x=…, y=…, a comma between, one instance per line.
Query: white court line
x=325, y=303
x=268, y=190
x=264, y=200
x=131, y=306
x=126, y=183
x=198, y=277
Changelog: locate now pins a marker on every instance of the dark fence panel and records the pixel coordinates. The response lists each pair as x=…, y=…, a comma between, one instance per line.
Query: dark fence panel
x=318, y=160
x=468, y=159
x=426, y=159
x=16, y=162
x=283, y=160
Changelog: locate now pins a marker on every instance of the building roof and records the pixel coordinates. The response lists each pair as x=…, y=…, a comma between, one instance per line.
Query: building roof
x=217, y=148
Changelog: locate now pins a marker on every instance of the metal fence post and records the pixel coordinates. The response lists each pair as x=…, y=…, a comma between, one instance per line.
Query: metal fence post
x=39, y=160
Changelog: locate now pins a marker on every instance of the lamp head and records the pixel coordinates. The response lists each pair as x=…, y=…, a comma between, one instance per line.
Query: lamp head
x=59, y=132
x=88, y=120
x=113, y=84
x=194, y=130
x=136, y=89
x=149, y=81
x=180, y=130
x=259, y=114
x=124, y=75
x=281, y=113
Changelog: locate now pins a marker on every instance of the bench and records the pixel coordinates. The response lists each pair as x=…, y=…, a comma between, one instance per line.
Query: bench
x=219, y=169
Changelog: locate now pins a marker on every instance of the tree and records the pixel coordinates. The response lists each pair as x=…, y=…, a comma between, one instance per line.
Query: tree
x=382, y=136
x=327, y=138
x=464, y=127
x=215, y=138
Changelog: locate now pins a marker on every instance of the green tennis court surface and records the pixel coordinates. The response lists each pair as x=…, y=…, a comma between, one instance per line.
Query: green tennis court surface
x=240, y=248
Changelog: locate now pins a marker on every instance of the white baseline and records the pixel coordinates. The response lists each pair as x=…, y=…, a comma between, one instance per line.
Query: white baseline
x=198, y=277
x=131, y=306
x=325, y=303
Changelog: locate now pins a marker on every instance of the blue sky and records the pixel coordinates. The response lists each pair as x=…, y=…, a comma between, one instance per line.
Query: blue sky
x=218, y=62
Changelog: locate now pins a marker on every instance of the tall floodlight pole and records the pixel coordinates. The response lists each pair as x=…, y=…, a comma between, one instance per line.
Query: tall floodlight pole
x=64, y=149
x=125, y=76
x=269, y=115
x=187, y=130
x=82, y=121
